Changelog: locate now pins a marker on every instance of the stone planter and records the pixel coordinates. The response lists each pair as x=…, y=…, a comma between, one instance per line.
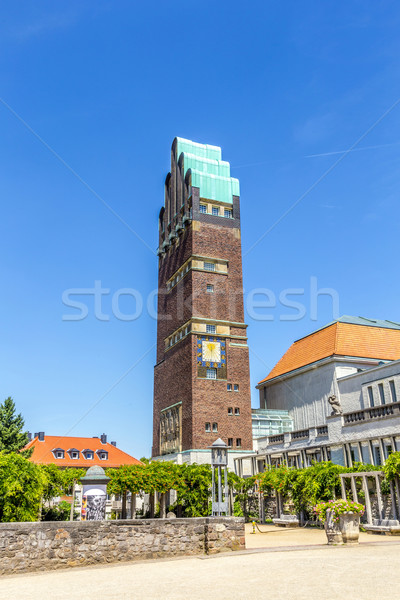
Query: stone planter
x=332, y=530
x=349, y=524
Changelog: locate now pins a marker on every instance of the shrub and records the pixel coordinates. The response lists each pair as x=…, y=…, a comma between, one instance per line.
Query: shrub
x=337, y=508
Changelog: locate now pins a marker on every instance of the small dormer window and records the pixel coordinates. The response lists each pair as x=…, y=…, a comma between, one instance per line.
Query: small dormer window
x=58, y=453
x=102, y=454
x=73, y=453
x=88, y=454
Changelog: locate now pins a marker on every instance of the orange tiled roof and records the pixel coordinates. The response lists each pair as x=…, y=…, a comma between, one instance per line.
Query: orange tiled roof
x=340, y=339
x=43, y=452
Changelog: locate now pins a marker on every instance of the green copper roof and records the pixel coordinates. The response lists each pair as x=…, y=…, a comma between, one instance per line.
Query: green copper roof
x=209, y=172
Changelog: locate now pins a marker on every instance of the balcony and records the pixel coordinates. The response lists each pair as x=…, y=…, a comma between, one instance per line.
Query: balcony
x=322, y=431
x=373, y=413
x=276, y=439
x=300, y=435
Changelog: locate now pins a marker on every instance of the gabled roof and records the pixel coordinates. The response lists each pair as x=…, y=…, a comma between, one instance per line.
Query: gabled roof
x=348, y=336
x=43, y=452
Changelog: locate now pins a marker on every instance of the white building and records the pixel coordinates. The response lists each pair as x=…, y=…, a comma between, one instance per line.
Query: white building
x=341, y=386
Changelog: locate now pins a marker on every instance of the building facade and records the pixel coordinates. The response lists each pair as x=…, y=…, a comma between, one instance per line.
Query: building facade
x=341, y=387
x=201, y=376
x=81, y=453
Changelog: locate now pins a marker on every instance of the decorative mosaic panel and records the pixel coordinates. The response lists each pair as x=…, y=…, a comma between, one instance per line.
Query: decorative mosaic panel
x=170, y=429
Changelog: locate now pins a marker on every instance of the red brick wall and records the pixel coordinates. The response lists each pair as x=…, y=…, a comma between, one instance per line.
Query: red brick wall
x=176, y=375
x=220, y=242
x=173, y=379
x=211, y=401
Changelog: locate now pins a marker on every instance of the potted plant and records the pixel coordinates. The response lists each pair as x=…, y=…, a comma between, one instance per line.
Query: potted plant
x=341, y=519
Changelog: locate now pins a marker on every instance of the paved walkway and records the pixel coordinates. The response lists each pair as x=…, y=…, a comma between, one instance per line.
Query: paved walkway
x=273, y=537
x=290, y=571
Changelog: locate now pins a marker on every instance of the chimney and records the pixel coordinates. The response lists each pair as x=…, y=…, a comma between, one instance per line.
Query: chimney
x=114, y=444
x=41, y=436
x=28, y=433
x=36, y=435
x=103, y=438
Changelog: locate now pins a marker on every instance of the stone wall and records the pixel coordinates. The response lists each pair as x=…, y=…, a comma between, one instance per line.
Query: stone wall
x=386, y=503
x=270, y=508
x=56, y=545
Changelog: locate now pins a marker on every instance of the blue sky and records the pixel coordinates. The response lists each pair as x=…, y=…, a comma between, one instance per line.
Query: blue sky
x=92, y=95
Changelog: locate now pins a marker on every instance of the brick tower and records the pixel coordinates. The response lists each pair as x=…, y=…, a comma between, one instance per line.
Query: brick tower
x=201, y=378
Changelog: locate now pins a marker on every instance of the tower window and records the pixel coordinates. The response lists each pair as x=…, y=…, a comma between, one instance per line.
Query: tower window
x=228, y=213
x=211, y=373
x=210, y=328
x=238, y=442
x=203, y=208
x=237, y=411
x=215, y=427
x=215, y=211
x=230, y=410
x=230, y=442
x=208, y=427
x=229, y=387
x=209, y=266
x=210, y=288
x=235, y=387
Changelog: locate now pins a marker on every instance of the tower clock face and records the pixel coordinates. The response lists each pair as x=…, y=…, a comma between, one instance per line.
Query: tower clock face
x=211, y=351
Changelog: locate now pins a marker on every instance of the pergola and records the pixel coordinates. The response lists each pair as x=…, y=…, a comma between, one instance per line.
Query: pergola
x=376, y=517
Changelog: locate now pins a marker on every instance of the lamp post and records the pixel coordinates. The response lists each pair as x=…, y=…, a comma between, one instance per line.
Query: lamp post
x=219, y=461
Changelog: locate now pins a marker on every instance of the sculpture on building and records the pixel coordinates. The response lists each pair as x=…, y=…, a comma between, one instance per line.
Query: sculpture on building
x=336, y=406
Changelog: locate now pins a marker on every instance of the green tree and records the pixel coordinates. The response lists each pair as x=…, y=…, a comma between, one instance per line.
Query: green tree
x=392, y=466
x=61, y=512
x=246, y=499
x=54, y=481
x=193, y=486
x=22, y=485
x=12, y=436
